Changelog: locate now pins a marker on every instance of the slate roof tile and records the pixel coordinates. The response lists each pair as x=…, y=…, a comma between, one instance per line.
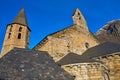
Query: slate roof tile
x=102, y=49
x=24, y=64
x=72, y=58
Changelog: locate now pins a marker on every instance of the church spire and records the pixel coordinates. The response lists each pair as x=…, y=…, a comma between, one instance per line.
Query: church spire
x=21, y=18
x=17, y=34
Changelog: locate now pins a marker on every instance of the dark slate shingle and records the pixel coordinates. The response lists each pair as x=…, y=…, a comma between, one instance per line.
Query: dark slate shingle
x=99, y=50
x=72, y=58
x=23, y=64
x=21, y=18
x=102, y=49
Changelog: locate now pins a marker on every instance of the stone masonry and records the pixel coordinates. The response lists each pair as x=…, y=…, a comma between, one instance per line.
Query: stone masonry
x=85, y=71
x=76, y=38
x=111, y=65
x=75, y=49
x=17, y=34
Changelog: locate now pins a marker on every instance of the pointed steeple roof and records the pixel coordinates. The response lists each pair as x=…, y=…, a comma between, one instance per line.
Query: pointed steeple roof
x=21, y=18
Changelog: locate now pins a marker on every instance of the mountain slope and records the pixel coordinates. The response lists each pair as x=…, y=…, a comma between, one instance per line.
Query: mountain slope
x=110, y=32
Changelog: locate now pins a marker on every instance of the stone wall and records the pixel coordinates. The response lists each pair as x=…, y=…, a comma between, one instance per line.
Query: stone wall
x=76, y=39
x=112, y=63
x=11, y=38
x=72, y=39
x=85, y=71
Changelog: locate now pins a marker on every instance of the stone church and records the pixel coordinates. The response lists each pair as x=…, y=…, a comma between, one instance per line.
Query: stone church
x=73, y=53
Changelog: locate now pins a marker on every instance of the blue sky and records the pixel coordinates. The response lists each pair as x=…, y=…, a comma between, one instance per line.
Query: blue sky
x=48, y=16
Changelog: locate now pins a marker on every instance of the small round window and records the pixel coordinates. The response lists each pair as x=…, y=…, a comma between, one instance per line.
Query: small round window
x=86, y=45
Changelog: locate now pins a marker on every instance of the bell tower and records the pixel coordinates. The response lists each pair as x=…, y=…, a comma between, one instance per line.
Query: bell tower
x=17, y=33
x=79, y=20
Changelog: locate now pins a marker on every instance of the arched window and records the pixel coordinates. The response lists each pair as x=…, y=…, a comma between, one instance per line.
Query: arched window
x=9, y=35
x=86, y=45
x=20, y=29
x=19, y=35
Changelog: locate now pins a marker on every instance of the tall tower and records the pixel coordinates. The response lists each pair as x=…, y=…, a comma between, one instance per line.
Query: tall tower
x=17, y=33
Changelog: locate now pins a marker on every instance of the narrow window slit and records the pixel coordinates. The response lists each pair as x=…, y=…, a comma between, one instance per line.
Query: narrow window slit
x=20, y=29
x=19, y=35
x=9, y=35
